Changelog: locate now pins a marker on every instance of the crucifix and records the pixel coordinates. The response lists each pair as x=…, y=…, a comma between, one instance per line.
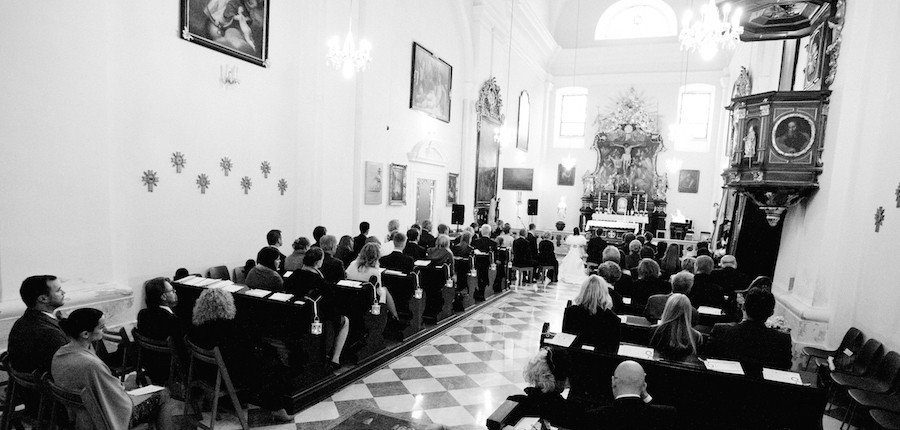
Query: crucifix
x=879, y=218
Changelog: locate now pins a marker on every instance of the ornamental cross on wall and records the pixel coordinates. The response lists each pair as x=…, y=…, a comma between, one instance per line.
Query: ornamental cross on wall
x=879, y=218
x=897, y=194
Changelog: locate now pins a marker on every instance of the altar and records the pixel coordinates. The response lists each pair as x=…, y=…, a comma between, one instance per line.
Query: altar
x=616, y=226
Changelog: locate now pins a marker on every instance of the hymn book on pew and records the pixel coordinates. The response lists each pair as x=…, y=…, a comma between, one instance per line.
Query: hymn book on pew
x=233, y=288
x=257, y=292
x=724, y=366
x=708, y=310
x=560, y=339
x=393, y=272
x=782, y=376
x=422, y=263
x=281, y=297
x=350, y=284
x=635, y=351
x=150, y=389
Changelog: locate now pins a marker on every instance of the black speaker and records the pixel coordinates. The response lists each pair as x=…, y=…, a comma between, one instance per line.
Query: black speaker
x=532, y=207
x=459, y=216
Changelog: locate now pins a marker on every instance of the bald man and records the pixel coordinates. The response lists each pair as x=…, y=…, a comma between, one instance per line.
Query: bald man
x=631, y=408
x=728, y=277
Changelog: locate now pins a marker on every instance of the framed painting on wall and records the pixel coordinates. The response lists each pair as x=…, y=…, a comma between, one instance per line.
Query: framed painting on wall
x=565, y=176
x=487, y=164
x=452, y=188
x=397, y=190
x=518, y=179
x=430, y=84
x=522, y=126
x=688, y=181
x=241, y=31
x=374, y=180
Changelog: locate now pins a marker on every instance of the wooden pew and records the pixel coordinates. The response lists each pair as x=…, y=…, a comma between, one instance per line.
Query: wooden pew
x=402, y=287
x=465, y=284
x=705, y=399
x=438, y=295
x=356, y=301
x=485, y=261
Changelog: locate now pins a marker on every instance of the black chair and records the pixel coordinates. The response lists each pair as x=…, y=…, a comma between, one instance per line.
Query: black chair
x=215, y=390
x=218, y=272
x=121, y=362
x=65, y=399
x=403, y=288
x=439, y=291
x=853, y=341
x=163, y=347
x=886, y=420
x=18, y=381
x=882, y=381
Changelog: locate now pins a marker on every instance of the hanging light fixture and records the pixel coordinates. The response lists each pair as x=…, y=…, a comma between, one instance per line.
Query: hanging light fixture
x=347, y=56
x=712, y=30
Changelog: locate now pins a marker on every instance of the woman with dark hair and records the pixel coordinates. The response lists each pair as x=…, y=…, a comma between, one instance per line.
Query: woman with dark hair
x=309, y=282
x=661, y=248
x=76, y=366
x=674, y=337
x=344, y=251
x=648, y=283
x=264, y=274
x=670, y=263
x=591, y=316
x=318, y=232
x=252, y=364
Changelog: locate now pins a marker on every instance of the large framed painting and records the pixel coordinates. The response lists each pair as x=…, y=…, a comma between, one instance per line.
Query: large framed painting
x=518, y=179
x=397, y=191
x=374, y=181
x=452, y=188
x=565, y=176
x=688, y=181
x=522, y=126
x=430, y=84
x=487, y=163
x=236, y=28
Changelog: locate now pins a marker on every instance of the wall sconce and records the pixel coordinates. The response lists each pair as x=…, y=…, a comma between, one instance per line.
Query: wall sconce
x=228, y=75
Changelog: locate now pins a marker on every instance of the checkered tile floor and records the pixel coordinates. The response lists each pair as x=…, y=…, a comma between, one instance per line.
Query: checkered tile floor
x=457, y=379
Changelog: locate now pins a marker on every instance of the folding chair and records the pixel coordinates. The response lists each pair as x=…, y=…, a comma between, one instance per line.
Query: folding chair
x=211, y=357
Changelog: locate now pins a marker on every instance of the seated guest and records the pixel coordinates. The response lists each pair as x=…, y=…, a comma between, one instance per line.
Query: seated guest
x=412, y=248
x=595, y=247
x=648, y=252
x=264, y=275
x=521, y=251
x=443, y=229
x=387, y=246
x=181, y=272
x=360, y=240
x=705, y=292
x=674, y=336
x=750, y=340
x=504, y=239
x=463, y=248
x=648, y=242
x=689, y=264
x=253, y=365
x=648, y=283
x=681, y=284
x=273, y=238
x=591, y=317
x=634, y=254
x=310, y=282
x=332, y=268
x=426, y=239
x=728, y=277
x=365, y=267
x=546, y=256
x=670, y=262
x=440, y=254
x=631, y=408
x=703, y=249
x=611, y=273
x=295, y=260
x=397, y=260
x=661, y=248
x=487, y=246
x=625, y=284
x=625, y=247
x=317, y=233
x=76, y=367
x=547, y=375
x=158, y=321
x=345, y=252
x=36, y=336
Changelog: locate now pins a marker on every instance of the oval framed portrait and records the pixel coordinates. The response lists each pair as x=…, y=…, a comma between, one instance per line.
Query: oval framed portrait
x=793, y=134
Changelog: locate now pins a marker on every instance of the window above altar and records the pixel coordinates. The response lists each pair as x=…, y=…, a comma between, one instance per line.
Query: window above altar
x=571, y=114
x=635, y=19
x=695, y=104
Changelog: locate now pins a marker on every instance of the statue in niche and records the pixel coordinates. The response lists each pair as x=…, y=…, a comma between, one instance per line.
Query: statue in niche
x=750, y=142
x=662, y=187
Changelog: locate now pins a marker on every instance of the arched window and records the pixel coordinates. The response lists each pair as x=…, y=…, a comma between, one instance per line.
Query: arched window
x=632, y=19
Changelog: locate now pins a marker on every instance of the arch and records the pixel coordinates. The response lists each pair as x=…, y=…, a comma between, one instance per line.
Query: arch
x=635, y=19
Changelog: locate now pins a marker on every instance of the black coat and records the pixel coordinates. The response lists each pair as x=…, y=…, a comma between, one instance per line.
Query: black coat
x=33, y=340
x=631, y=413
x=595, y=248
x=426, y=240
x=546, y=255
x=332, y=269
x=644, y=288
x=358, y=243
x=705, y=292
x=602, y=330
x=549, y=406
x=521, y=250
x=415, y=251
x=730, y=279
x=158, y=323
x=397, y=261
x=751, y=342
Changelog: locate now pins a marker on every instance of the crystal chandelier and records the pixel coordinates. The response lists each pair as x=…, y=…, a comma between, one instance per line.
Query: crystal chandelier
x=346, y=56
x=711, y=30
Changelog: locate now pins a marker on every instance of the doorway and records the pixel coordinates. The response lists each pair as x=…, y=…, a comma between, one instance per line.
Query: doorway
x=424, y=199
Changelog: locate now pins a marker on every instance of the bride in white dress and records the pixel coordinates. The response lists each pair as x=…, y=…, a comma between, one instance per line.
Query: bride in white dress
x=571, y=269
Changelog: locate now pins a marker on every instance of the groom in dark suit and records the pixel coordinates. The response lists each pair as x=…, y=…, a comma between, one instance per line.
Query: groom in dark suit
x=158, y=321
x=632, y=408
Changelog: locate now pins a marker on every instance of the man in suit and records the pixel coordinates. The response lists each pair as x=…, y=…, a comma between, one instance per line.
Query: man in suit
x=397, y=260
x=36, y=336
x=158, y=321
x=705, y=292
x=681, y=283
x=750, y=341
x=273, y=238
x=360, y=240
x=546, y=256
x=521, y=252
x=426, y=239
x=728, y=277
x=532, y=239
x=625, y=284
x=595, y=247
x=332, y=268
x=486, y=245
x=631, y=408
x=413, y=249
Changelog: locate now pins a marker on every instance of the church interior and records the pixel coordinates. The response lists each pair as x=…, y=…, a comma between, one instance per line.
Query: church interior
x=121, y=162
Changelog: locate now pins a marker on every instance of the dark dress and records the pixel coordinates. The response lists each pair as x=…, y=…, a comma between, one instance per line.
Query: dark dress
x=345, y=255
x=602, y=330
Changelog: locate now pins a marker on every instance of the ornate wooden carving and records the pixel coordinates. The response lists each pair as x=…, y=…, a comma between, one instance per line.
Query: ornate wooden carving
x=489, y=104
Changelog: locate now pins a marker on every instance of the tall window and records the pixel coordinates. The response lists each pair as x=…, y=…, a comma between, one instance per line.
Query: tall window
x=694, y=113
x=633, y=19
x=571, y=106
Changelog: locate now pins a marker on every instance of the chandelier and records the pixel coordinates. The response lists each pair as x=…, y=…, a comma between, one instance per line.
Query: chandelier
x=712, y=30
x=346, y=56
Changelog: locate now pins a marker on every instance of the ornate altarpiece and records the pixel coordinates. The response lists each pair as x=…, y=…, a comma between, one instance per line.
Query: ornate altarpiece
x=488, y=108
